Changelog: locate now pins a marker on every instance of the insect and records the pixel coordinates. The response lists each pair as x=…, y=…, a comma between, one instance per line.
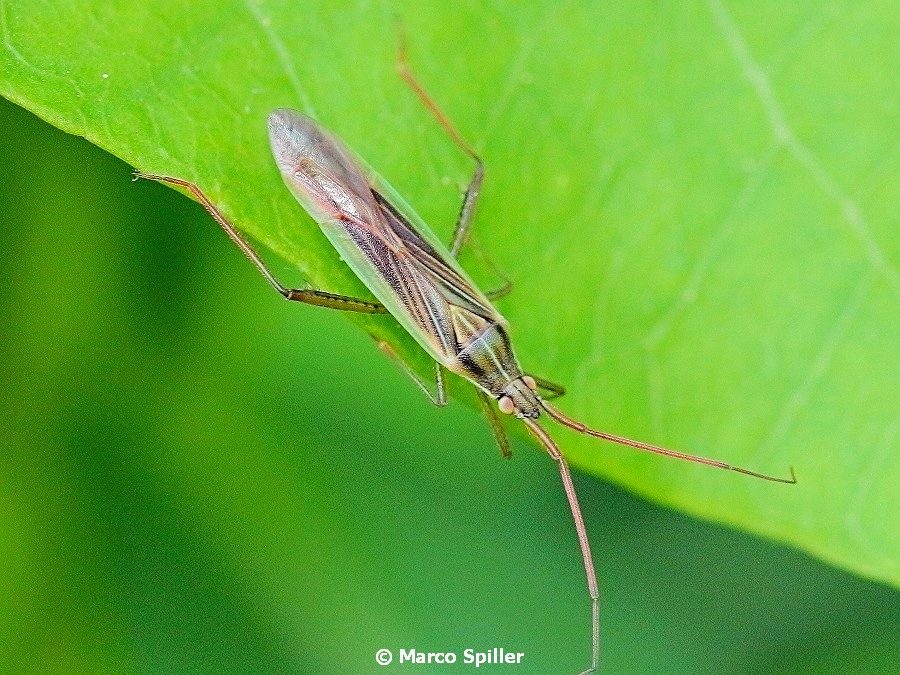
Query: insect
x=418, y=281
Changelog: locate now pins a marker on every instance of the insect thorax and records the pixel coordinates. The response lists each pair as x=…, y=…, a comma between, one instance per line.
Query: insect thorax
x=488, y=360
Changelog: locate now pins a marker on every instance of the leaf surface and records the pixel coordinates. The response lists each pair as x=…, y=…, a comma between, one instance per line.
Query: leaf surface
x=696, y=204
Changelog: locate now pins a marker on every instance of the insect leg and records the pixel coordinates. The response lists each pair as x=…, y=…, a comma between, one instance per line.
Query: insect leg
x=554, y=390
x=467, y=210
x=500, y=292
x=440, y=400
x=464, y=220
x=490, y=411
x=308, y=295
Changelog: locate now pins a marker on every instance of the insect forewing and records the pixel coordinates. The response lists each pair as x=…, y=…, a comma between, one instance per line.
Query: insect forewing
x=320, y=171
x=378, y=235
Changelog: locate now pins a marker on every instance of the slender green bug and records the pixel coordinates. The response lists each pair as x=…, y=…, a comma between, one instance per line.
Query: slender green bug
x=418, y=281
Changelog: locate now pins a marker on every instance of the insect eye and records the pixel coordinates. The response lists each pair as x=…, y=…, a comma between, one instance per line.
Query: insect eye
x=529, y=382
x=506, y=405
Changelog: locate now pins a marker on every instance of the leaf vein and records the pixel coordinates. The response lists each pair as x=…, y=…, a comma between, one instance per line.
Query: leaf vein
x=710, y=253
x=785, y=135
x=799, y=397
x=284, y=58
x=872, y=473
x=41, y=72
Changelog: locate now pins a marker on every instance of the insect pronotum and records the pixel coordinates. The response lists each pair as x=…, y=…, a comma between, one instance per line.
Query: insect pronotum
x=418, y=281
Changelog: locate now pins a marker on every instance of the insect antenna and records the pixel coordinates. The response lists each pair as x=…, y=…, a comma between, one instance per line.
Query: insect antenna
x=584, y=429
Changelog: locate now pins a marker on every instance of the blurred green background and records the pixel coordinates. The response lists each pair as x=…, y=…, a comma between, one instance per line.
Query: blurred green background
x=196, y=476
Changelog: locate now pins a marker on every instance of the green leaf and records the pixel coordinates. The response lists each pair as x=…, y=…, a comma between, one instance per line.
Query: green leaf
x=695, y=203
